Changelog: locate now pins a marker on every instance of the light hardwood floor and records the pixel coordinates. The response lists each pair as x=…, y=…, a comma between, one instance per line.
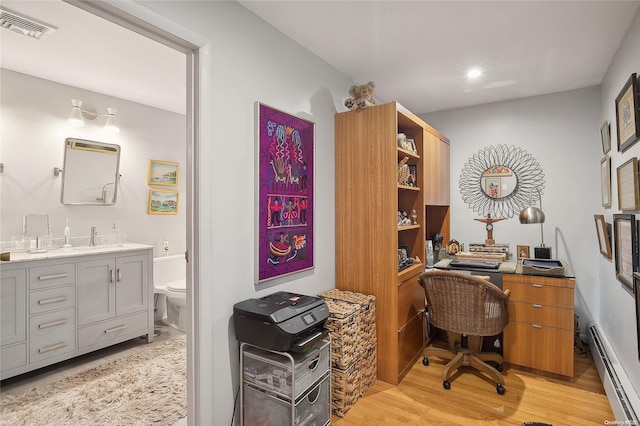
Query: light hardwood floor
x=472, y=400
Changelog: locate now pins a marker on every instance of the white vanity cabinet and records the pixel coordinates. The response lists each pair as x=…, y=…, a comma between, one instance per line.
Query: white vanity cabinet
x=113, y=297
x=66, y=303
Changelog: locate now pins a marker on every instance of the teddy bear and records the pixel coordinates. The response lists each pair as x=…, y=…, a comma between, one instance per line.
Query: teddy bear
x=361, y=96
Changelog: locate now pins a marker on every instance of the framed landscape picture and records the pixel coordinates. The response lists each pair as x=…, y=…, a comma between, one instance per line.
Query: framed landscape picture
x=162, y=173
x=163, y=202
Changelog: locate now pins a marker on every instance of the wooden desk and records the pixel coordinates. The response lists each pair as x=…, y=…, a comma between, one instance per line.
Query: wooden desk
x=540, y=333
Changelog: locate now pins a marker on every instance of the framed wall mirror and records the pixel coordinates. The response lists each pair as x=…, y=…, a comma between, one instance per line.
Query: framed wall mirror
x=90, y=174
x=501, y=180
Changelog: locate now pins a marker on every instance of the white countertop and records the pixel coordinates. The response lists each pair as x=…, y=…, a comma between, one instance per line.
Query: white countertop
x=57, y=253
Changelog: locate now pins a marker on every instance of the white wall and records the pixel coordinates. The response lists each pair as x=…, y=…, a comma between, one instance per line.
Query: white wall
x=34, y=114
x=617, y=309
x=248, y=61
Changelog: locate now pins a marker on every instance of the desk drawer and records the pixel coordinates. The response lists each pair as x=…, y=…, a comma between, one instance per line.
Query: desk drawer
x=52, y=275
x=411, y=299
x=541, y=294
x=544, y=348
x=52, y=299
x=541, y=314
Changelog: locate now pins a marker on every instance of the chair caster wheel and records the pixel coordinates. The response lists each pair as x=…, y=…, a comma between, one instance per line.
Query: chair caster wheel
x=499, y=367
x=425, y=361
x=446, y=384
x=500, y=389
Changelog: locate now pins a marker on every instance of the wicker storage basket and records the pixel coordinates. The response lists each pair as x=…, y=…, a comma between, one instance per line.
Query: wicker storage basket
x=344, y=325
x=345, y=389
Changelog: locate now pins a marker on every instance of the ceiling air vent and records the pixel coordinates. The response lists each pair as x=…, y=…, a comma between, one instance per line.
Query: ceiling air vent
x=24, y=25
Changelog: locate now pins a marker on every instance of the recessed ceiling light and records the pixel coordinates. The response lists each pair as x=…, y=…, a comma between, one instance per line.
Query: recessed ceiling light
x=474, y=73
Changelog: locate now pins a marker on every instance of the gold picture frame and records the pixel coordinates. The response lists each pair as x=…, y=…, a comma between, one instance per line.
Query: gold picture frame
x=163, y=202
x=163, y=173
x=604, y=235
x=523, y=252
x=628, y=193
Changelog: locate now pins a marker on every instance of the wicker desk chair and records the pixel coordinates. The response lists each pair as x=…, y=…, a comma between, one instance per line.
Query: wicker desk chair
x=469, y=307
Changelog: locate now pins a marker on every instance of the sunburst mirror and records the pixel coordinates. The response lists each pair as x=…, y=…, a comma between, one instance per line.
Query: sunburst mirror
x=501, y=181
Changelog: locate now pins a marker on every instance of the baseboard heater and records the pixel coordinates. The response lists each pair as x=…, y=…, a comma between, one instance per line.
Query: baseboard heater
x=624, y=401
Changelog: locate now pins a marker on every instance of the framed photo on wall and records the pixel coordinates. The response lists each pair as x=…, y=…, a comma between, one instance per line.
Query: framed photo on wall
x=605, y=181
x=285, y=191
x=625, y=232
x=604, y=237
x=605, y=137
x=628, y=192
x=628, y=114
x=163, y=202
x=163, y=173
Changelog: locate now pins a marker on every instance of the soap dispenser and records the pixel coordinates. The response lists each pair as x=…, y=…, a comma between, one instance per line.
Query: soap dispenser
x=67, y=235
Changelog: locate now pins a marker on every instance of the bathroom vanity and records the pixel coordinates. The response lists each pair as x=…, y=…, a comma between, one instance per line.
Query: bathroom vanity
x=68, y=302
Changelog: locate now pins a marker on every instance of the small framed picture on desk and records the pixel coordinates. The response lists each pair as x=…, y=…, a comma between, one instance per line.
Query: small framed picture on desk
x=523, y=252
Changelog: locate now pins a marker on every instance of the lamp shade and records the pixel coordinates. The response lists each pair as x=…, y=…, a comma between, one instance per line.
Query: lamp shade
x=75, y=118
x=532, y=215
x=111, y=125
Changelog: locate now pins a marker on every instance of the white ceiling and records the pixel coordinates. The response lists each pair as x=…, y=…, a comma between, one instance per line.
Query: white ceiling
x=417, y=52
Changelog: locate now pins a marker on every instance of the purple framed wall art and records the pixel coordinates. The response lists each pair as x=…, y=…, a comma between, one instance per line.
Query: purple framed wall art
x=285, y=193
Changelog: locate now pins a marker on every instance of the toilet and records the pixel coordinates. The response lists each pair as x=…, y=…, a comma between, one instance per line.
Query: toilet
x=170, y=290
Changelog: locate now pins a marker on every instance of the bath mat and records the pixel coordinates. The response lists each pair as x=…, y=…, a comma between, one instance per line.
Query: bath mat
x=146, y=388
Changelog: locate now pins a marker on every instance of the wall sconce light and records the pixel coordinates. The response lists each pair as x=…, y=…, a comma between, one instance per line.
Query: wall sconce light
x=78, y=115
x=533, y=214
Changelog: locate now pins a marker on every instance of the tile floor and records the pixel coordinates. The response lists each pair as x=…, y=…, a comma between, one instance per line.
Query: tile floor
x=42, y=376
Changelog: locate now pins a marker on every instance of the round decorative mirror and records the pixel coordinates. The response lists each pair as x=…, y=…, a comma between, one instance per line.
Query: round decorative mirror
x=501, y=181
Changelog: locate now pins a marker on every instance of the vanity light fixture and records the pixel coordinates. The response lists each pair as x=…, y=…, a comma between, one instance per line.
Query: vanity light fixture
x=533, y=214
x=78, y=115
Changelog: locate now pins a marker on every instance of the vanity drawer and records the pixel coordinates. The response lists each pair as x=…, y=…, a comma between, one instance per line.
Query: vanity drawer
x=51, y=346
x=13, y=356
x=52, y=299
x=52, y=275
x=112, y=329
x=52, y=322
x=540, y=314
x=541, y=294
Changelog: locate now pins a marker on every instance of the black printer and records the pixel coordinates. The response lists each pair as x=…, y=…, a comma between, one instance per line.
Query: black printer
x=281, y=321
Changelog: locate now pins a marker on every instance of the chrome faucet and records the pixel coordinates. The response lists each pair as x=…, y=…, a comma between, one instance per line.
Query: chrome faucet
x=92, y=238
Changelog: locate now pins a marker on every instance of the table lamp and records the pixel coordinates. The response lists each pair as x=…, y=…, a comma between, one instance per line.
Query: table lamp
x=533, y=214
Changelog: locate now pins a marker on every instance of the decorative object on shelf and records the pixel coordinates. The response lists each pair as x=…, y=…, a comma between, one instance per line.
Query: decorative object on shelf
x=163, y=173
x=625, y=231
x=628, y=191
x=605, y=181
x=285, y=152
x=413, y=175
x=406, y=144
x=403, y=219
x=403, y=172
x=605, y=137
x=489, y=221
x=163, y=202
x=523, y=252
x=437, y=241
x=453, y=247
x=513, y=170
x=414, y=217
x=361, y=96
x=628, y=114
x=603, y=230
x=533, y=214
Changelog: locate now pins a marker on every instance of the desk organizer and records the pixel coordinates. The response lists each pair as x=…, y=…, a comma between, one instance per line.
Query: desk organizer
x=543, y=267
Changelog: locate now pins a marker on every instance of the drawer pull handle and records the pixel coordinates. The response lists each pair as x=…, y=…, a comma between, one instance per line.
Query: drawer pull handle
x=52, y=323
x=119, y=276
x=52, y=276
x=53, y=347
x=52, y=300
x=111, y=275
x=536, y=326
x=537, y=285
x=536, y=305
x=118, y=328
